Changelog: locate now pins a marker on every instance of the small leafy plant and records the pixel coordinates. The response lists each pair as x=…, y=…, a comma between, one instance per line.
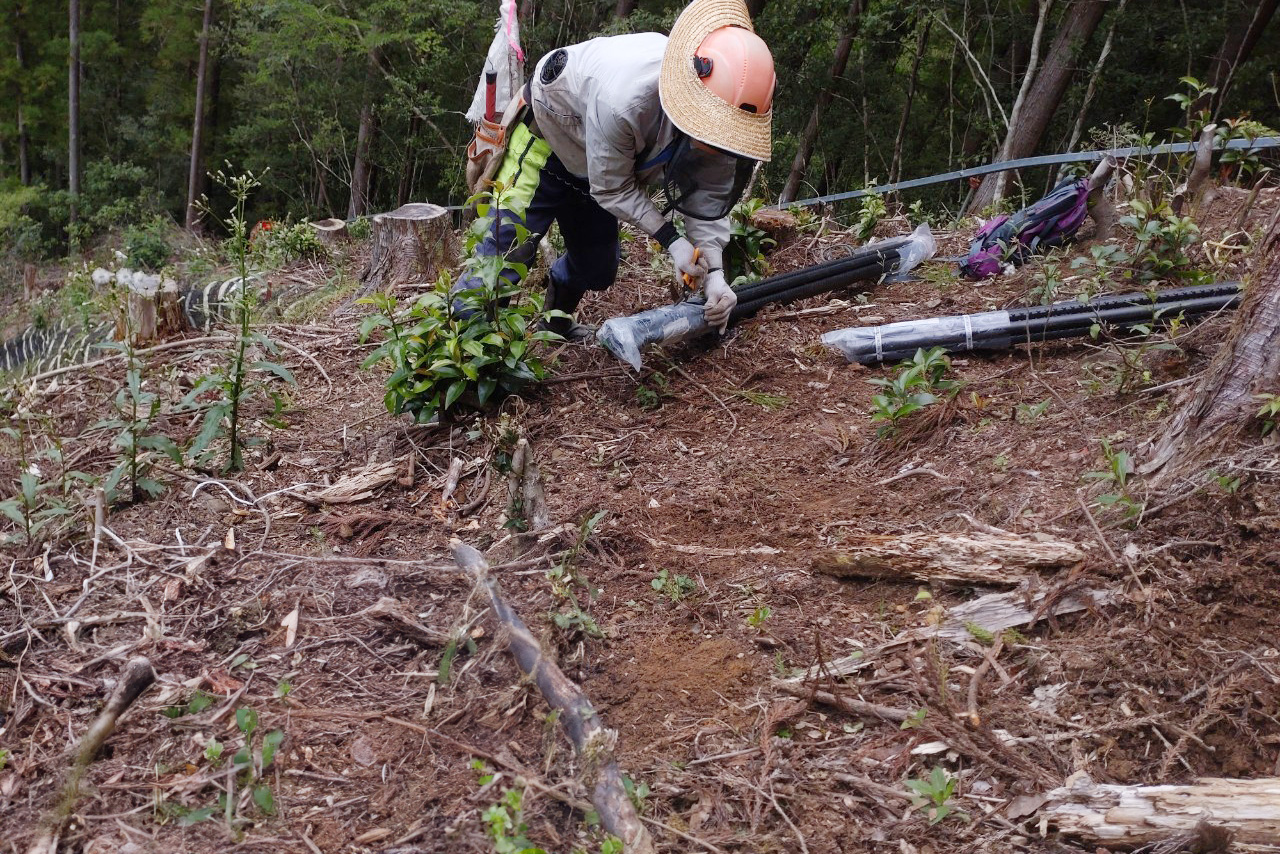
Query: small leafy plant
x=1269, y=412
x=870, y=212
x=674, y=587
x=504, y=825
x=466, y=348
x=278, y=243
x=1119, y=467
x=225, y=391
x=756, y=619
x=744, y=253
x=565, y=576
x=921, y=382
x=934, y=793
x=136, y=413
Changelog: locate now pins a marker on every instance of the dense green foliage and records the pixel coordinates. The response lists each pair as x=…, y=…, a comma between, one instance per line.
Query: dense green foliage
x=289, y=80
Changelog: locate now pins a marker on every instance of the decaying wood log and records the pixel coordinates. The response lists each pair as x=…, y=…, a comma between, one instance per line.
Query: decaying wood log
x=136, y=677
x=355, y=487
x=411, y=245
x=592, y=742
x=1246, y=811
x=331, y=232
x=978, y=558
x=992, y=613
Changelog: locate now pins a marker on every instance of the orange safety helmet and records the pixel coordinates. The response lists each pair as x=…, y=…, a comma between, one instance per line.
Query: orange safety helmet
x=736, y=65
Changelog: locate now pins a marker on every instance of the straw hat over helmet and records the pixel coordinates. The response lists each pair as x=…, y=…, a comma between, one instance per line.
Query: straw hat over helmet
x=717, y=79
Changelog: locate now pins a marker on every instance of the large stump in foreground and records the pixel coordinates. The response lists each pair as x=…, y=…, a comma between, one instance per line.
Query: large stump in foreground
x=411, y=245
x=1221, y=404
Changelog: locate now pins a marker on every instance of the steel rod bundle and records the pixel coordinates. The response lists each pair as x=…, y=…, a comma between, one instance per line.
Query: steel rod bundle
x=999, y=330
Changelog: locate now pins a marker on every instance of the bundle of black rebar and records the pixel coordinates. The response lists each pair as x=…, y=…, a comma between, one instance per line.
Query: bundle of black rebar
x=999, y=330
x=865, y=264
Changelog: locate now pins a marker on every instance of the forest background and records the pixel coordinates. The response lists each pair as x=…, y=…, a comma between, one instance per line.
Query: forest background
x=357, y=106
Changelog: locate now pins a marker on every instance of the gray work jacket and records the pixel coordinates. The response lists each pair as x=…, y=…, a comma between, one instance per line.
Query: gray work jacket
x=603, y=119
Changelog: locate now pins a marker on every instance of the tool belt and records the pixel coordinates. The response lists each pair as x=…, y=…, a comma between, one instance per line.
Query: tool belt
x=489, y=145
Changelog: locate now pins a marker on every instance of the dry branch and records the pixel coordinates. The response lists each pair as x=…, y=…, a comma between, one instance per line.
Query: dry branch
x=136, y=677
x=958, y=558
x=592, y=742
x=1249, y=810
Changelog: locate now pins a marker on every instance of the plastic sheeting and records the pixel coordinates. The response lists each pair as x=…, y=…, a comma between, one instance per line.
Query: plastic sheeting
x=505, y=57
x=894, y=342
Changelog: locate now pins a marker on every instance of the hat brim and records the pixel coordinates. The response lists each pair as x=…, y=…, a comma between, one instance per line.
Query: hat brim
x=691, y=106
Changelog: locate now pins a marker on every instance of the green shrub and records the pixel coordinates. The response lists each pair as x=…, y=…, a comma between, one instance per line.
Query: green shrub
x=465, y=349
x=278, y=243
x=147, y=246
x=21, y=236
x=920, y=383
x=744, y=253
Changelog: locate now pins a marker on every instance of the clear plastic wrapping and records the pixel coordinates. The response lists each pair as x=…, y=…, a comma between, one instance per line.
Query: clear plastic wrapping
x=625, y=337
x=896, y=341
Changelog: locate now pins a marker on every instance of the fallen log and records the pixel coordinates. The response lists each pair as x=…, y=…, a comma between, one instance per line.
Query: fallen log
x=1243, y=811
x=136, y=677
x=978, y=558
x=592, y=742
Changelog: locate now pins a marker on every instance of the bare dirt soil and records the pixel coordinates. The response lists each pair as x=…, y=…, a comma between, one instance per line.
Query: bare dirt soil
x=724, y=469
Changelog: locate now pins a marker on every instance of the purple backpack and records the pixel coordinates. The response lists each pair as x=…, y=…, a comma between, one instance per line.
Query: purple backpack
x=1050, y=222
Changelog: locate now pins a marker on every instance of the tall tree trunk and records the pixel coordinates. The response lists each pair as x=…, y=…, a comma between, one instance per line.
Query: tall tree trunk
x=1078, y=128
x=1242, y=35
x=922, y=39
x=1033, y=61
x=810, y=136
x=1221, y=402
x=73, y=109
x=1050, y=84
x=24, y=141
x=754, y=8
x=360, y=173
x=195, y=182
x=624, y=9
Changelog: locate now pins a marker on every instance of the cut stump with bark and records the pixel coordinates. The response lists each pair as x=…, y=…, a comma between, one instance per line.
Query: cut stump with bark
x=1222, y=403
x=1243, y=811
x=331, y=232
x=155, y=308
x=411, y=245
x=979, y=558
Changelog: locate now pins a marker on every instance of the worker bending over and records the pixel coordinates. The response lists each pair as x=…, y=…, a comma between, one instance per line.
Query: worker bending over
x=611, y=118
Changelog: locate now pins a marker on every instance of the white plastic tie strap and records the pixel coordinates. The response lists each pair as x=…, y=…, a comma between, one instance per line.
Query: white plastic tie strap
x=879, y=345
x=968, y=332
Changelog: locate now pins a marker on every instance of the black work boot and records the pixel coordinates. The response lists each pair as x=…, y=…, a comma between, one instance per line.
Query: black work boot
x=560, y=298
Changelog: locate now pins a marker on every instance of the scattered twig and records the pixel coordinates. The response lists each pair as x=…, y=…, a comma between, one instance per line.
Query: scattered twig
x=136, y=677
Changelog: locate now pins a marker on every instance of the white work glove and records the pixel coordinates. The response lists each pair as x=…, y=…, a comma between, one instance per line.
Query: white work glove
x=688, y=263
x=720, y=300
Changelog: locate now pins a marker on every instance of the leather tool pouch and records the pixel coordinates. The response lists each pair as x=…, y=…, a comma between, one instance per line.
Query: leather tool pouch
x=489, y=145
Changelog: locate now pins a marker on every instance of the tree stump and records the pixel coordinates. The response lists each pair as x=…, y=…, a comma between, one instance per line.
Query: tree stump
x=1221, y=404
x=411, y=245
x=331, y=232
x=29, y=282
x=154, y=306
